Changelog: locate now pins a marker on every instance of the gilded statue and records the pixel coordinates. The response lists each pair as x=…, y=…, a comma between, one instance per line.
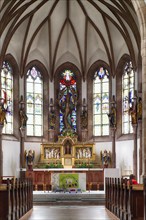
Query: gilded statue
x=23, y=119
x=105, y=158
x=84, y=120
x=29, y=156
x=52, y=120
x=139, y=109
x=2, y=115
x=133, y=113
x=112, y=116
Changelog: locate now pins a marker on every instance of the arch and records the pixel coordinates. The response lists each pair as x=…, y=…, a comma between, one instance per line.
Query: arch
x=140, y=9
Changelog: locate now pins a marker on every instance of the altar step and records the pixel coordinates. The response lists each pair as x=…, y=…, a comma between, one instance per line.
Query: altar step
x=88, y=197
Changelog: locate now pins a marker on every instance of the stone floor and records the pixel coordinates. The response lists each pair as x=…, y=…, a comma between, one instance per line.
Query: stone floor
x=88, y=205
x=68, y=212
x=87, y=197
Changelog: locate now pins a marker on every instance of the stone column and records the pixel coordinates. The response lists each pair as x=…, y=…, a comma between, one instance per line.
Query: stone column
x=140, y=148
x=51, y=135
x=135, y=150
x=84, y=135
x=23, y=121
x=140, y=9
x=22, y=136
x=113, y=132
x=52, y=121
x=84, y=121
x=1, y=151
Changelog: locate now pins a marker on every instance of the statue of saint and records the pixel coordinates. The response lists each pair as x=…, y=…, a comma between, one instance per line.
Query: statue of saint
x=52, y=119
x=105, y=158
x=84, y=120
x=23, y=119
x=2, y=115
x=29, y=158
x=112, y=116
x=133, y=113
x=139, y=109
x=67, y=147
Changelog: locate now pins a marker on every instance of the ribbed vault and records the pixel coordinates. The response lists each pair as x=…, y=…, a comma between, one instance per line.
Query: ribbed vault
x=76, y=31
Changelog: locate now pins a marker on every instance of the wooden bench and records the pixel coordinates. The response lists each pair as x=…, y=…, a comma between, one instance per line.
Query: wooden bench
x=123, y=200
x=17, y=198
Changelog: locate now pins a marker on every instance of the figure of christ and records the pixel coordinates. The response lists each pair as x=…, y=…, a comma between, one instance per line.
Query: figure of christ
x=67, y=148
x=67, y=112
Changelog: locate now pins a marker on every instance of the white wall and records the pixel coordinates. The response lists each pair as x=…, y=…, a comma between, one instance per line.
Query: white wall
x=11, y=154
x=124, y=153
x=124, y=156
x=11, y=158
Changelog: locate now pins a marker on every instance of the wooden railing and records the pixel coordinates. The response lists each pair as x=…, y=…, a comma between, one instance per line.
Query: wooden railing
x=16, y=198
x=124, y=200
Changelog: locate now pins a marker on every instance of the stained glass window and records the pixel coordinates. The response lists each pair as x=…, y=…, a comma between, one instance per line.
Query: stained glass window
x=101, y=102
x=127, y=96
x=7, y=95
x=34, y=100
x=67, y=101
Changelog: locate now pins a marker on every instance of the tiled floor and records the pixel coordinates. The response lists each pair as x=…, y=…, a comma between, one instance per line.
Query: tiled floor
x=68, y=212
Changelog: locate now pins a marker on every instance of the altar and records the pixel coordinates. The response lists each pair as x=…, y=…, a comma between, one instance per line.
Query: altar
x=86, y=178
x=67, y=152
x=67, y=163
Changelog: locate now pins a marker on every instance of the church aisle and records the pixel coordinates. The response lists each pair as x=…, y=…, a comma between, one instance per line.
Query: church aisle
x=47, y=212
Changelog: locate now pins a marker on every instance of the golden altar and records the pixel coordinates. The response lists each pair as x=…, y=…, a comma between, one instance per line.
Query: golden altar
x=68, y=152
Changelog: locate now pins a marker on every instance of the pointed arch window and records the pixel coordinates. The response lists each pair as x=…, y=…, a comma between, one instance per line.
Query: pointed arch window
x=128, y=83
x=101, y=102
x=67, y=101
x=34, y=102
x=7, y=95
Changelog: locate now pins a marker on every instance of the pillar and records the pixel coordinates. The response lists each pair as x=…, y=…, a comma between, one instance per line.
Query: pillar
x=113, y=131
x=140, y=148
x=135, y=150
x=22, y=136
x=1, y=151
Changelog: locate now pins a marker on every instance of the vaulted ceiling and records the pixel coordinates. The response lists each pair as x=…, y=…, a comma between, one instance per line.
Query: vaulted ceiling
x=76, y=31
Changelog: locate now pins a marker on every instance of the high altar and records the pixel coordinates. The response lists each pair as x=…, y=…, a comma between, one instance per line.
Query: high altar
x=66, y=157
x=67, y=152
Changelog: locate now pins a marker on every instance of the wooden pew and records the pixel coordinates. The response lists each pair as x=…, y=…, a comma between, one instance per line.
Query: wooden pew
x=17, y=199
x=125, y=201
x=5, y=202
x=136, y=202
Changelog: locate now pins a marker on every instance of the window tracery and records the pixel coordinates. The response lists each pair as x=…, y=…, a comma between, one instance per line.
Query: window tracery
x=7, y=95
x=34, y=102
x=127, y=97
x=101, y=102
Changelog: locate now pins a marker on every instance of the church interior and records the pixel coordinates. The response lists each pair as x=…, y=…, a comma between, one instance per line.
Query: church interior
x=73, y=107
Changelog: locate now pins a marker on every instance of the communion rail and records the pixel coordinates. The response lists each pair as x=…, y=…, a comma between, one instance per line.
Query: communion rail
x=124, y=200
x=16, y=198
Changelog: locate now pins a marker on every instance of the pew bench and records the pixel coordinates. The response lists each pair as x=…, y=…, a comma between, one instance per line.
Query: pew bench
x=17, y=199
x=123, y=200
